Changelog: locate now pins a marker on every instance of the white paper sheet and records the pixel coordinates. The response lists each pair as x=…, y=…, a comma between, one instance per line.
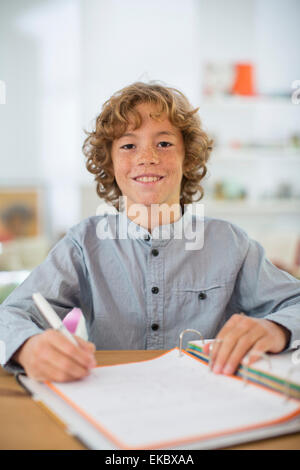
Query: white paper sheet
x=169, y=400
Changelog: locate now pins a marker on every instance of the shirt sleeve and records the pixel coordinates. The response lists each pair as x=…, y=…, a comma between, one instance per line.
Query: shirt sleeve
x=264, y=291
x=62, y=280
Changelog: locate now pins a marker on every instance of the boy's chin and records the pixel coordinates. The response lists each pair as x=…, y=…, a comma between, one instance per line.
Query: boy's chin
x=150, y=202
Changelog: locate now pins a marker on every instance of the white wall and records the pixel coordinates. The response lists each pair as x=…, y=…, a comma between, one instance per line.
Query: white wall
x=18, y=117
x=126, y=41
x=40, y=123
x=71, y=56
x=277, y=38
x=61, y=59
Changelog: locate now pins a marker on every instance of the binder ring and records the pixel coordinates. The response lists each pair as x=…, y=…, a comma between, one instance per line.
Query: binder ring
x=257, y=353
x=188, y=331
x=287, y=384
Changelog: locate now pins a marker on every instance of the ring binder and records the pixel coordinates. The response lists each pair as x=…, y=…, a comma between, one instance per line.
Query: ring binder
x=83, y=406
x=18, y=376
x=188, y=331
x=246, y=366
x=286, y=392
x=211, y=345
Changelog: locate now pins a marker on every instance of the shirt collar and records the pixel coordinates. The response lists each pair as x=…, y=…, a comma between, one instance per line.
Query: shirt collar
x=161, y=233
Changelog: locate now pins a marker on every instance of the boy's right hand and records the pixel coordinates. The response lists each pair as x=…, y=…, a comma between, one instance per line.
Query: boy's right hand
x=51, y=356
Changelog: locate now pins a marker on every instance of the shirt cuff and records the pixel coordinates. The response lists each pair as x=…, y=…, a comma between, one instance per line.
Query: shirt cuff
x=7, y=362
x=288, y=317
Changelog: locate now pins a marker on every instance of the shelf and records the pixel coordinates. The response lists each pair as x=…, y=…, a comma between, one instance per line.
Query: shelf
x=246, y=207
x=247, y=101
x=229, y=153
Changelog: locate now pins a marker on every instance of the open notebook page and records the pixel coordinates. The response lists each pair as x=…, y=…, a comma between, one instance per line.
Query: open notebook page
x=171, y=400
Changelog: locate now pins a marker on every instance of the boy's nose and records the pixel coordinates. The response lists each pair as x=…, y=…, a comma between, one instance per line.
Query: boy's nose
x=147, y=156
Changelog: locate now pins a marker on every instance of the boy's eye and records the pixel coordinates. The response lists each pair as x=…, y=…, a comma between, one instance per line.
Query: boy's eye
x=127, y=146
x=164, y=144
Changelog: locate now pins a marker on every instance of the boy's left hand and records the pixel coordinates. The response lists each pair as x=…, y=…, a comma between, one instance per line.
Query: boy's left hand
x=241, y=335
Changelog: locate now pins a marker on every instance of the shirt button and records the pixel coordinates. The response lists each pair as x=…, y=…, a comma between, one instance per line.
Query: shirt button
x=155, y=290
x=202, y=296
x=154, y=326
x=155, y=252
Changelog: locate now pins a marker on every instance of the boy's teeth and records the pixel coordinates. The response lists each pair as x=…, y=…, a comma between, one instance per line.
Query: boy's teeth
x=148, y=179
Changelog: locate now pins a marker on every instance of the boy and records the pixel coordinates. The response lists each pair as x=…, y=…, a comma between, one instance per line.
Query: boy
x=139, y=286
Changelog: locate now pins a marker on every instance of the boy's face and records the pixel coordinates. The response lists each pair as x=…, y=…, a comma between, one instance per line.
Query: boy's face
x=148, y=161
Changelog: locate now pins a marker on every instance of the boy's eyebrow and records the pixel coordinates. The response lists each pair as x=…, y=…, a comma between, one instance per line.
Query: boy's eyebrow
x=131, y=134
x=166, y=133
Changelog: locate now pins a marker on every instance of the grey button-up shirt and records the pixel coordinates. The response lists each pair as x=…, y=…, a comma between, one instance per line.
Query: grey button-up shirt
x=140, y=291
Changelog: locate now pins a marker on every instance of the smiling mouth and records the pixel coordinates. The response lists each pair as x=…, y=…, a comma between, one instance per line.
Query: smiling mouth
x=148, y=179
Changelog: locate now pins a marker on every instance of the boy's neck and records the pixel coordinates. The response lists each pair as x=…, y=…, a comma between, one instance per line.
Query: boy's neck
x=152, y=216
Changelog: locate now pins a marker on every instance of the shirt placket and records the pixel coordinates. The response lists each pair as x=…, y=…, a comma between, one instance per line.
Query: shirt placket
x=155, y=295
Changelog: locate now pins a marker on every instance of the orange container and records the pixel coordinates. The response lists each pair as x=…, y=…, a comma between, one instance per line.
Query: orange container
x=244, y=80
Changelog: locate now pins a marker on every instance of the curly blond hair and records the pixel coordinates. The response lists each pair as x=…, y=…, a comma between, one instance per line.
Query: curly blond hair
x=119, y=111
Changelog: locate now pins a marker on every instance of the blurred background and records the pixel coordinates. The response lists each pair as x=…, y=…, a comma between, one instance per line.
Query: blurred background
x=237, y=60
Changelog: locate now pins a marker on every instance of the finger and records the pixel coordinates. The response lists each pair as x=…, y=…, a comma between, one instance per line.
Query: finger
x=51, y=373
x=48, y=367
x=229, y=326
x=256, y=352
x=213, y=348
x=89, y=347
x=208, y=347
x=85, y=344
x=233, y=321
x=61, y=366
x=63, y=345
x=42, y=373
x=244, y=344
x=228, y=343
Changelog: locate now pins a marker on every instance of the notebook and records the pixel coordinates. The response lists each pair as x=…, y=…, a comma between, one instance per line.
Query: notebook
x=171, y=402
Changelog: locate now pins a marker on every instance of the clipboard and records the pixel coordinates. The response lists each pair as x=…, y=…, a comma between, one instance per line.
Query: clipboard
x=102, y=432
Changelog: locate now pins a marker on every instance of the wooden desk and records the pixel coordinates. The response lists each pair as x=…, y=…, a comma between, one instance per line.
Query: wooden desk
x=27, y=425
